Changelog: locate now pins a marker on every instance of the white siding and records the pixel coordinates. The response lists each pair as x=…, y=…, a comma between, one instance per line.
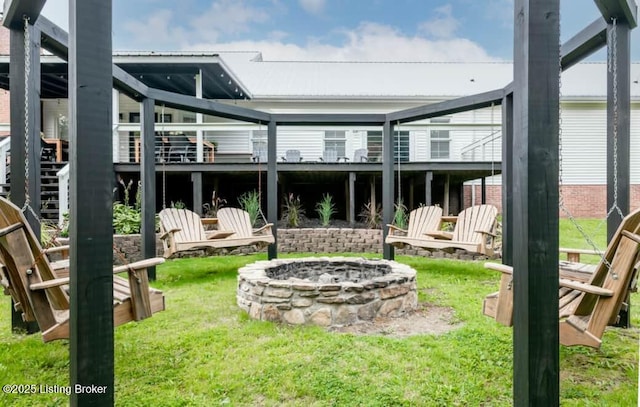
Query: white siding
x=584, y=144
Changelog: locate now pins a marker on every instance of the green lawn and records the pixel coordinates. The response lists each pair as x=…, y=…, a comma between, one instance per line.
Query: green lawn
x=204, y=351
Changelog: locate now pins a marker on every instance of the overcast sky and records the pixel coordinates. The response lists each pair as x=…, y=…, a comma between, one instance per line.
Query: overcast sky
x=355, y=30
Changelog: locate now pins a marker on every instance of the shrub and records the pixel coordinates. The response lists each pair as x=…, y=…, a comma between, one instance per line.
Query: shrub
x=250, y=202
x=400, y=217
x=126, y=219
x=292, y=211
x=371, y=216
x=211, y=209
x=325, y=209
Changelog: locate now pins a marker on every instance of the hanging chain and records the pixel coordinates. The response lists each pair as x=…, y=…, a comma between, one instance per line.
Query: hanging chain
x=399, y=174
x=613, y=69
x=27, y=74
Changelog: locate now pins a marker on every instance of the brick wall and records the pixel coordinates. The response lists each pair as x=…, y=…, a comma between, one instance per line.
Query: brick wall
x=582, y=201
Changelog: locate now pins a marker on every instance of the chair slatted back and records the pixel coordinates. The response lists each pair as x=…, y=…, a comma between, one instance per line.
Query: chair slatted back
x=360, y=155
x=235, y=219
x=189, y=223
x=21, y=255
x=424, y=219
x=472, y=220
x=292, y=156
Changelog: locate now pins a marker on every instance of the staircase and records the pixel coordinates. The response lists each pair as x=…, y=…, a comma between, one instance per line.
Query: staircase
x=50, y=203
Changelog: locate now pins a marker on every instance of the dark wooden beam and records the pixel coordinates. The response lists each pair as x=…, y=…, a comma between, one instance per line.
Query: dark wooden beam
x=535, y=202
x=388, y=187
x=25, y=185
x=148, y=177
x=583, y=44
x=309, y=119
x=196, y=184
x=54, y=38
x=127, y=84
x=618, y=126
x=193, y=104
x=272, y=185
x=16, y=10
x=91, y=229
x=623, y=10
x=507, y=180
x=463, y=104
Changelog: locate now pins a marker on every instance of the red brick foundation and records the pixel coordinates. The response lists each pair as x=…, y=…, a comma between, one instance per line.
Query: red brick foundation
x=582, y=201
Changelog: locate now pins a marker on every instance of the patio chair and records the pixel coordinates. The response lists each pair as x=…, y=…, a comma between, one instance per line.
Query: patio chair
x=474, y=231
x=589, y=298
x=361, y=155
x=181, y=149
x=422, y=220
x=41, y=295
x=182, y=230
x=238, y=221
x=330, y=156
x=292, y=156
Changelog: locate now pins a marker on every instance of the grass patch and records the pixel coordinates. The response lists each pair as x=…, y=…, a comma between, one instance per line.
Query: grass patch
x=204, y=351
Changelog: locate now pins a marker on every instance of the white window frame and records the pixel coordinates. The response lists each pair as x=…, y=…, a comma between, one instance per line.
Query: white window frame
x=436, y=137
x=336, y=140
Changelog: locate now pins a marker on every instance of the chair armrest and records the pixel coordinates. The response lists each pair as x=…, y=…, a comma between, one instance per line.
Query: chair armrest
x=209, y=221
x=169, y=233
x=56, y=282
x=573, y=255
x=395, y=228
x=138, y=265
x=503, y=268
x=56, y=249
x=266, y=227
x=586, y=288
x=440, y=234
x=486, y=232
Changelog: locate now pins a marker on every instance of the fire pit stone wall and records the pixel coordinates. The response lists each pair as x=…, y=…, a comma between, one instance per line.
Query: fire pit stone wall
x=326, y=291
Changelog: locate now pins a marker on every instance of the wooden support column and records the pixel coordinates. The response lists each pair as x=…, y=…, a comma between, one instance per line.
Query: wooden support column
x=148, y=178
x=196, y=184
x=352, y=198
x=411, y=193
x=445, y=204
x=507, y=180
x=618, y=124
x=21, y=184
x=535, y=202
x=91, y=229
x=428, y=179
x=483, y=190
x=388, y=187
x=272, y=186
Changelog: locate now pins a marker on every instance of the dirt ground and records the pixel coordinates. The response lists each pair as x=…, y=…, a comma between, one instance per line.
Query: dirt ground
x=426, y=319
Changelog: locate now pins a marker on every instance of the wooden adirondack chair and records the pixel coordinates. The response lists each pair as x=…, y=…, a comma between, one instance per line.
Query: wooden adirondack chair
x=182, y=229
x=238, y=221
x=589, y=298
x=474, y=231
x=41, y=295
x=422, y=220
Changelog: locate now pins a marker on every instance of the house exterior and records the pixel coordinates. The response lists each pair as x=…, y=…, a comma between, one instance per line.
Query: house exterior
x=453, y=161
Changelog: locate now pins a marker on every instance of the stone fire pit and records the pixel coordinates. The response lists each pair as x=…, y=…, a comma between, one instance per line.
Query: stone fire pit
x=328, y=291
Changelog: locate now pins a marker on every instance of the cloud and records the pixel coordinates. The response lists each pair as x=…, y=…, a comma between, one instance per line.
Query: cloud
x=368, y=42
x=158, y=28
x=444, y=25
x=228, y=17
x=314, y=7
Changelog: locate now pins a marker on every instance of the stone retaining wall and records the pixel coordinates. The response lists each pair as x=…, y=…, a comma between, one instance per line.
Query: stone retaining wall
x=307, y=240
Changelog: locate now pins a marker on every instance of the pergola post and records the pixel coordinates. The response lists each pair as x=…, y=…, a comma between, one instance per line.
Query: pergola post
x=618, y=124
x=272, y=186
x=91, y=229
x=507, y=180
x=21, y=183
x=148, y=178
x=388, y=187
x=535, y=202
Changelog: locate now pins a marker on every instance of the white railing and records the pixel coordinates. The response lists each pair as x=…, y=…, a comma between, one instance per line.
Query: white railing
x=5, y=146
x=63, y=192
x=467, y=152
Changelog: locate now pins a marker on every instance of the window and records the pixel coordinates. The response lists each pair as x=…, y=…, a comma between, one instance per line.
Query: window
x=400, y=145
x=440, y=141
x=259, y=145
x=336, y=140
